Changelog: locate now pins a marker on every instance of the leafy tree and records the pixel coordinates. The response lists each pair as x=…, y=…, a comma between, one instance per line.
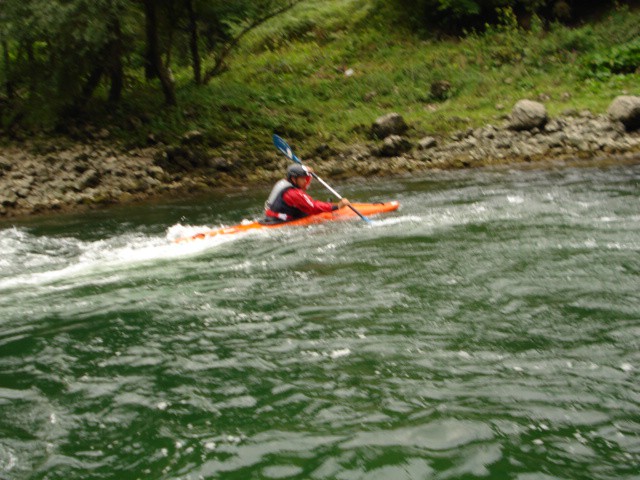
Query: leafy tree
x=460, y=15
x=257, y=12
x=56, y=53
x=214, y=28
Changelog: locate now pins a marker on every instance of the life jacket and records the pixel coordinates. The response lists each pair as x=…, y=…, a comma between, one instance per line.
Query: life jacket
x=275, y=206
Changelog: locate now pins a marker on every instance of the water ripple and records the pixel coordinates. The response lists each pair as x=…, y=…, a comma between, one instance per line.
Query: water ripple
x=490, y=328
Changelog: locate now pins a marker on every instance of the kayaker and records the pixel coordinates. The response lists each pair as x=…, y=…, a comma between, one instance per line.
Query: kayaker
x=289, y=200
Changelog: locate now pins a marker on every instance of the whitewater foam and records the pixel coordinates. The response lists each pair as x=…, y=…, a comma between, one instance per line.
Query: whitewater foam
x=49, y=260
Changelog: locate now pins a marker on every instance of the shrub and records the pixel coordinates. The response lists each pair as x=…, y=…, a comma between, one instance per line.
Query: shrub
x=621, y=59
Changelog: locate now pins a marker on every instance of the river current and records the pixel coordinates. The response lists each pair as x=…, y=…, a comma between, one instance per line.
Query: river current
x=488, y=329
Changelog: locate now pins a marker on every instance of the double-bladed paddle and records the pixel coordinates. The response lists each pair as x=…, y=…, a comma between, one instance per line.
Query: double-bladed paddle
x=286, y=149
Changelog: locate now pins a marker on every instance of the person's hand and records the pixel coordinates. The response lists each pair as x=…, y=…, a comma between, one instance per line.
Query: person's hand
x=343, y=202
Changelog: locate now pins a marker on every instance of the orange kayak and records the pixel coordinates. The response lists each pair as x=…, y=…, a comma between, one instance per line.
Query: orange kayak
x=343, y=213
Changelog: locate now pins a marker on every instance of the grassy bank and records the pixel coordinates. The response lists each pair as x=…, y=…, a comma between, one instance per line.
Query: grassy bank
x=325, y=71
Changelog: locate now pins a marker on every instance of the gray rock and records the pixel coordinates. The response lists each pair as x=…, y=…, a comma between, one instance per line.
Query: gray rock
x=527, y=115
x=488, y=132
x=8, y=199
x=193, y=137
x=393, y=146
x=556, y=139
x=427, y=143
x=389, y=124
x=503, y=143
x=554, y=126
x=369, y=96
x=156, y=172
x=440, y=90
x=89, y=179
x=5, y=165
x=625, y=109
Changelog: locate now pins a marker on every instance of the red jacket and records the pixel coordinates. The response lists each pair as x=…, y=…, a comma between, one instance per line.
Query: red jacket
x=298, y=198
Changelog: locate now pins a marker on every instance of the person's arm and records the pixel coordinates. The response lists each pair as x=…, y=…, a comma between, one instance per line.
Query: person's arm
x=300, y=200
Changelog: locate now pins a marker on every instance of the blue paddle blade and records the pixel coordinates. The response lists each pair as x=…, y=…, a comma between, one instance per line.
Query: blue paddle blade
x=285, y=148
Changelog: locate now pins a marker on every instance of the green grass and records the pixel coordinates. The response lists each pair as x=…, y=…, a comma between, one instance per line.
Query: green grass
x=288, y=77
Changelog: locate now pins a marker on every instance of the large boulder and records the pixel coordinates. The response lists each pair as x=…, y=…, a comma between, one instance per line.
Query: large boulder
x=389, y=124
x=527, y=115
x=625, y=109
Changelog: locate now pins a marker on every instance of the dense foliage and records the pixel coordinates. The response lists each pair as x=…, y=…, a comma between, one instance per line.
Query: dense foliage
x=321, y=69
x=461, y=15
x=623, y=59
x=57, y=53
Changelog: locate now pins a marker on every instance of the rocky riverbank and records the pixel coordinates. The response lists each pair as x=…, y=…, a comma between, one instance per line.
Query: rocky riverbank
x=46, y=176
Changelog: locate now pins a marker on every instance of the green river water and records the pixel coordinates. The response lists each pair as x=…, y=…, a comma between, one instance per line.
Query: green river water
x=488, y=329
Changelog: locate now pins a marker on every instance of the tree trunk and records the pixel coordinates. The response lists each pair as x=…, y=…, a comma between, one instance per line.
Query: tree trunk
x=116, y=73
x=90, y=86
x=154, y=67
x=193, y=43
x=152, y=49
x=31, y=61
x=109, y=62
x=7, y=69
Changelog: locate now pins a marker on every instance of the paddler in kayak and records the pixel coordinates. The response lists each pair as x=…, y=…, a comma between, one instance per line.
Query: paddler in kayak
x=289, y=200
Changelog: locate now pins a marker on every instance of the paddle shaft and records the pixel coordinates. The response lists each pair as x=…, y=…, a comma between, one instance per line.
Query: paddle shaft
x=328, y=187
